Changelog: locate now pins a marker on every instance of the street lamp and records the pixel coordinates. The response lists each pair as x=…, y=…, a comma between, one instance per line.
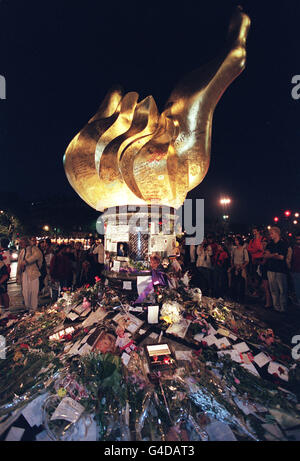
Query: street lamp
x=46, y=228
x=225, y=201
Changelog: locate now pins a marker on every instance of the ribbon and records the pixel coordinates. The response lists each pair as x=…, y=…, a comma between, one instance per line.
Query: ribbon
x=158, y=278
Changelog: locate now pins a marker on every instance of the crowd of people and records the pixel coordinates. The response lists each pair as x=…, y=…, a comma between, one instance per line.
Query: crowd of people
x=265, y=265
x=45, y=269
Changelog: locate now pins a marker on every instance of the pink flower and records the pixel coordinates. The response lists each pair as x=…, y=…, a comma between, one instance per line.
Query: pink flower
x=198, y=352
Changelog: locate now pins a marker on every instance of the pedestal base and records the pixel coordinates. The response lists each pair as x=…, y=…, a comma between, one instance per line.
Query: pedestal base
x=131, y=237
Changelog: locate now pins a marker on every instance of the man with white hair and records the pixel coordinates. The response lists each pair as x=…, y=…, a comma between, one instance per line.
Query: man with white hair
x=276, y=252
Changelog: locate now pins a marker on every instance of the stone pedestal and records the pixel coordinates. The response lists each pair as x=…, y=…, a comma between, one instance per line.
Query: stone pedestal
x=132, y=236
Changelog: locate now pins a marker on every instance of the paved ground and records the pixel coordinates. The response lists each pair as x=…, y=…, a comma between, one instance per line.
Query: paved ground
x=284, y=325
x=15, y=295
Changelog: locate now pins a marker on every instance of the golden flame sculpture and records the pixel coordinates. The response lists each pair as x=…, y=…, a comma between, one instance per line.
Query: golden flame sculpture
x=128, y=154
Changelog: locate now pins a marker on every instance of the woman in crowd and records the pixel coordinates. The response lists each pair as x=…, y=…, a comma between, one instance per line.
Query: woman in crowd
x=238, y=272
x=28, y=272
x=204, y=267
x=263, y=269
x=255, y=250
x=221, y=264
x=61, y=271
x=79, y=257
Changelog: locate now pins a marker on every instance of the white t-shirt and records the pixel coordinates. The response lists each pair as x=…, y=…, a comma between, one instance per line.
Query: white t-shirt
x=204, y=257
x=240, y=256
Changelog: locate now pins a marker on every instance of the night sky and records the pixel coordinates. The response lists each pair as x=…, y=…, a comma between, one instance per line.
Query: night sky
x=59, y=59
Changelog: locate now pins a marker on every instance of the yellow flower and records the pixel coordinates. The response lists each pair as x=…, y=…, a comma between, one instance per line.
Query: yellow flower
x=61, y=392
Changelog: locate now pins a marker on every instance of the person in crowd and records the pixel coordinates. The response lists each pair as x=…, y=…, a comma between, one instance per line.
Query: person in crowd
x=107, y=261
x=92, y=257
x=79, y=257
x=87, y=276
x=71, y=244
x=288, y=260
x=69, y=252
x=99, y=251
x=204, y=267
x=220, y=267
x=182, y=254
x=48, y=255
x=192, y=253
x=276, y=253
x=295, y=268
x=43, y=269
x=61, y=271
x=238, y=271
x=4, y=276
x=165, y=265
x=175, y=265
x=212, y=243
x=228, y=244
x=4, y=252
x=255, y=251
x=28, y=272
x=263, y=269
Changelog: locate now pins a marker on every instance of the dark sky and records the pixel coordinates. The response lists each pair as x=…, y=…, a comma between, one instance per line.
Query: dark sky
x=59, y=59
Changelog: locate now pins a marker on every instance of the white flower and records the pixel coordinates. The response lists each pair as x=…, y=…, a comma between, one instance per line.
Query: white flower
x=170, y=312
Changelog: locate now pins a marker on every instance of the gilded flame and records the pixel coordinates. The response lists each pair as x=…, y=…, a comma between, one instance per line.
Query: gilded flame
x=128, y=154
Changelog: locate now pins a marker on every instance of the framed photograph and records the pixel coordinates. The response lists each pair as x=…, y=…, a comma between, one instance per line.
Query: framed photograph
x=128, y=322
x=103, y=341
